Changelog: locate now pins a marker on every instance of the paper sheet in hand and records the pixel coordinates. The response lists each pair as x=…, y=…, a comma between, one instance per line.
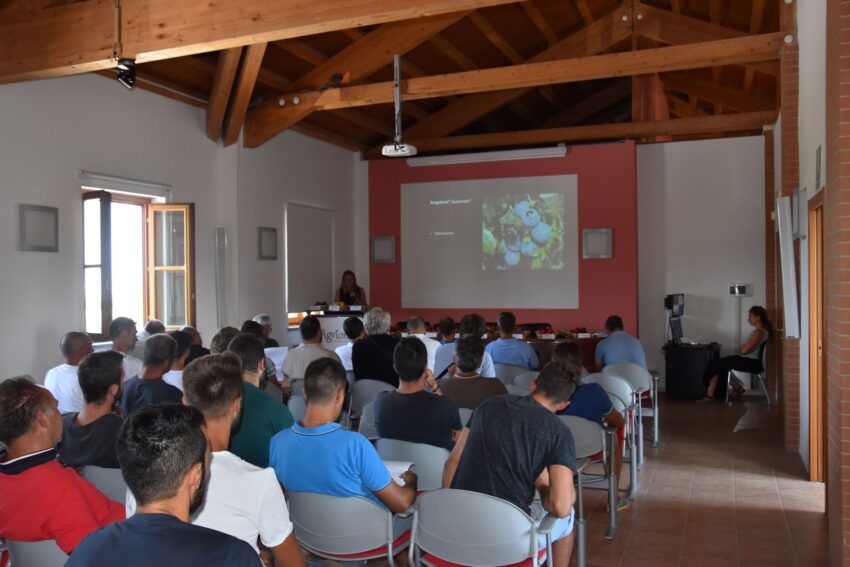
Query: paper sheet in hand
x=396, y=469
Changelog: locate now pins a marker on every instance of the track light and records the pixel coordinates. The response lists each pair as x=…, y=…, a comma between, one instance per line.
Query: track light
x=127, y=72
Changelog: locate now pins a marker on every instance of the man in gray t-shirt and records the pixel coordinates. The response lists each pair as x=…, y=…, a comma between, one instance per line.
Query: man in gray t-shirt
x=512, y=445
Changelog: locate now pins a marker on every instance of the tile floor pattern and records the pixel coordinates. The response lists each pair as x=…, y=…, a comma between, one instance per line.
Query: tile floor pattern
x=719, y=490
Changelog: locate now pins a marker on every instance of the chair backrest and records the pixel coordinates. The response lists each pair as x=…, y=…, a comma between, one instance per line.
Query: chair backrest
x=507, y=372
x=349, y=377
x=297, y=385
x=365, y=391
x=762, y=349
x=619, y=390
x=297, y=407
x=470, y=528
x=589, y=436
x=338, y=525
x=36, y=553
x=367, y=426
x=636, y=375
x=517, y=390
x=465, y=414
x=525, y=379
x=428, y=461
x=108, y=481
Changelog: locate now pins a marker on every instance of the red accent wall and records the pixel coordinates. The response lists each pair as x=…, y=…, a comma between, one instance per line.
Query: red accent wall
x=607, y=197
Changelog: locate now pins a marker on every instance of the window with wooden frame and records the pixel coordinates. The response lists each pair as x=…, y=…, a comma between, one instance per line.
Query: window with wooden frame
x=138, y=261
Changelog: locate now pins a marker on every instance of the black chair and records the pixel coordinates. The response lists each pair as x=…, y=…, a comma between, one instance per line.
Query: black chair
x=759, y=376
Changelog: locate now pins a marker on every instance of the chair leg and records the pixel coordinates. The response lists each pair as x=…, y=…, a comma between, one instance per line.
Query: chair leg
x=728, y=385
x=639, y=434
x=613, y=517
x=581, y=550
x=655, y=422
x=634, y=483
x=762, y=380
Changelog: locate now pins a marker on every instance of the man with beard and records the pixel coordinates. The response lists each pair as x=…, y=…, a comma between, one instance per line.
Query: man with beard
x=164, y=458
x=242, y=500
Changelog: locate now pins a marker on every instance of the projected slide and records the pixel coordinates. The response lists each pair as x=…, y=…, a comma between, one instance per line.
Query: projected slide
x=523, y=232
x=490, y=243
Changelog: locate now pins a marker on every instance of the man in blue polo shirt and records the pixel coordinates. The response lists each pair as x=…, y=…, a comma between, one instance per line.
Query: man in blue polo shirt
x=508, y=350
x=318, y=455
x=619, y=346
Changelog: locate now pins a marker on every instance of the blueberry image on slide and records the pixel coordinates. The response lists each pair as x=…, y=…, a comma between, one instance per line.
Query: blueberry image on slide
x=523, y=231
x=511, y=258
x=531, y=218
x=513, y=244
x=521, y=208
x=541, y=233
x=529, y=249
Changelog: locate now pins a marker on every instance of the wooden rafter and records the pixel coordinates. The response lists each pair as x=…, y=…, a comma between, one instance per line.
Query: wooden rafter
x=159, y=87
x=590, y=40
x=539, y=22
x=764, y=47
x=225, y=74
x=756, y=18
x=82, y=34
x=716, y=94
x=591, y=105
x=584, y=10
x=354, y=63
x=302, y=51
x=674, y=127
x=683, y=108
x=248, y=71
x=715, y=11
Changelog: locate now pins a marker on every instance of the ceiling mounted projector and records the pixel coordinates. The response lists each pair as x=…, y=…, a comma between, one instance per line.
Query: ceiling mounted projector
x=398, y=148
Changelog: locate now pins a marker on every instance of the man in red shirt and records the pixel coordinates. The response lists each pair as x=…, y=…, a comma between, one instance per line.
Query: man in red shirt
x=40, y=499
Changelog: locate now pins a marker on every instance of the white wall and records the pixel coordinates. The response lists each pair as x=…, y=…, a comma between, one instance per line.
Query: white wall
x=811, y=27
x=50, y=130
x=700, y=229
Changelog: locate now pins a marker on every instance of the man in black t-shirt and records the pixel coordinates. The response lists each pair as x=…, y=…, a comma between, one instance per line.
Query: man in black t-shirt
x=165, y=461
x=410, y=413
x=513, y=445
x=150, y=388
x=88, y=437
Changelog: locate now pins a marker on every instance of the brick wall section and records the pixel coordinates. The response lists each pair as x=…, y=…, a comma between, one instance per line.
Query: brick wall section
x=772, y=362
x=837, y=278
x=790, y=348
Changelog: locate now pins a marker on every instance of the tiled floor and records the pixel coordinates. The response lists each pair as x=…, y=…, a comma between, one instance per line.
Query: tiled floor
x=718, y=490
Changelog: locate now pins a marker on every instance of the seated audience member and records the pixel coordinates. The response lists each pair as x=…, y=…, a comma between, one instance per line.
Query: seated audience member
x=471, y=324
x=508, y=350
x=410, y=413
x=122, y=331
x=266, y=323
x=151, y=328
x=619, y=346
x=165, y=461
x=154, y=327
x=522, y=434
x=447, y=327
x=89, y=436
x=197, y=349
x=222, y=338
x=299, y=358
x=467, y=387
x=175, y=375
x=39, y=498
x=253, y=328
x=241, y=500
x=590, y=401
x=318, y=455
x=353, y=329
x=372, y=356
x=62, y=380
x=262, y=415
x=416, y=328
x=150, y=388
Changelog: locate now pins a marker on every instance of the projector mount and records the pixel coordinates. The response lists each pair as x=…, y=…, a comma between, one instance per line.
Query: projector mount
x=398, y=148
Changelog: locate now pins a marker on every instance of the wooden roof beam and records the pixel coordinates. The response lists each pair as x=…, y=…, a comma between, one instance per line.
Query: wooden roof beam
x=585, y=12
x=248, y=71
x=225, y=74
x=354, y=63
x=539, y=22
x=648, y=129
x=756, y=18
x=714, y=93
x=302, y=51
x=82, y=34
x=592, y=105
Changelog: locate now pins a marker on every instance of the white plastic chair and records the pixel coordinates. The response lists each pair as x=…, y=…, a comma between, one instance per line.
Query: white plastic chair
x=297, y=407
x=108, y=481
x=277, y=354
x=365, y=391
x=428, y=461
x=470, y=528
x=36, y=553
x=465, y=414
x=525, y=379
x=622, y=395
x=507, y=372
x=367, y=427
x=344, y=529
x=646, y=388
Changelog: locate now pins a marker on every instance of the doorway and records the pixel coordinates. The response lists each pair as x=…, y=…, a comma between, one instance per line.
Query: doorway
x=817, y=344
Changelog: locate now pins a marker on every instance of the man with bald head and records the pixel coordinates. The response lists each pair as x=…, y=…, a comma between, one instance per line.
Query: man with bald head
x=62, y=380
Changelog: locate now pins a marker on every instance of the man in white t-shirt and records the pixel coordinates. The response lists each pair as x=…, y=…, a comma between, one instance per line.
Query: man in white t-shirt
x=299, y=358
x=62, y=380
x=242, y=500
x=416, y=328
x=353, y=329
x=175, y=375
x=122, y=331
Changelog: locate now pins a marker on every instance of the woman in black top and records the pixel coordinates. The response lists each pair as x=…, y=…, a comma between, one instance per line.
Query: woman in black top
x=349, y=292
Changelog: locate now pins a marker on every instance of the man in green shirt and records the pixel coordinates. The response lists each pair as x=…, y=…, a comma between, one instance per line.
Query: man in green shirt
x=262, y=416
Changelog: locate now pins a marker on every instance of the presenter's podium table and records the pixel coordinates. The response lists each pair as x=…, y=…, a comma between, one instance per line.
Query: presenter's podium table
x=685, y=365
